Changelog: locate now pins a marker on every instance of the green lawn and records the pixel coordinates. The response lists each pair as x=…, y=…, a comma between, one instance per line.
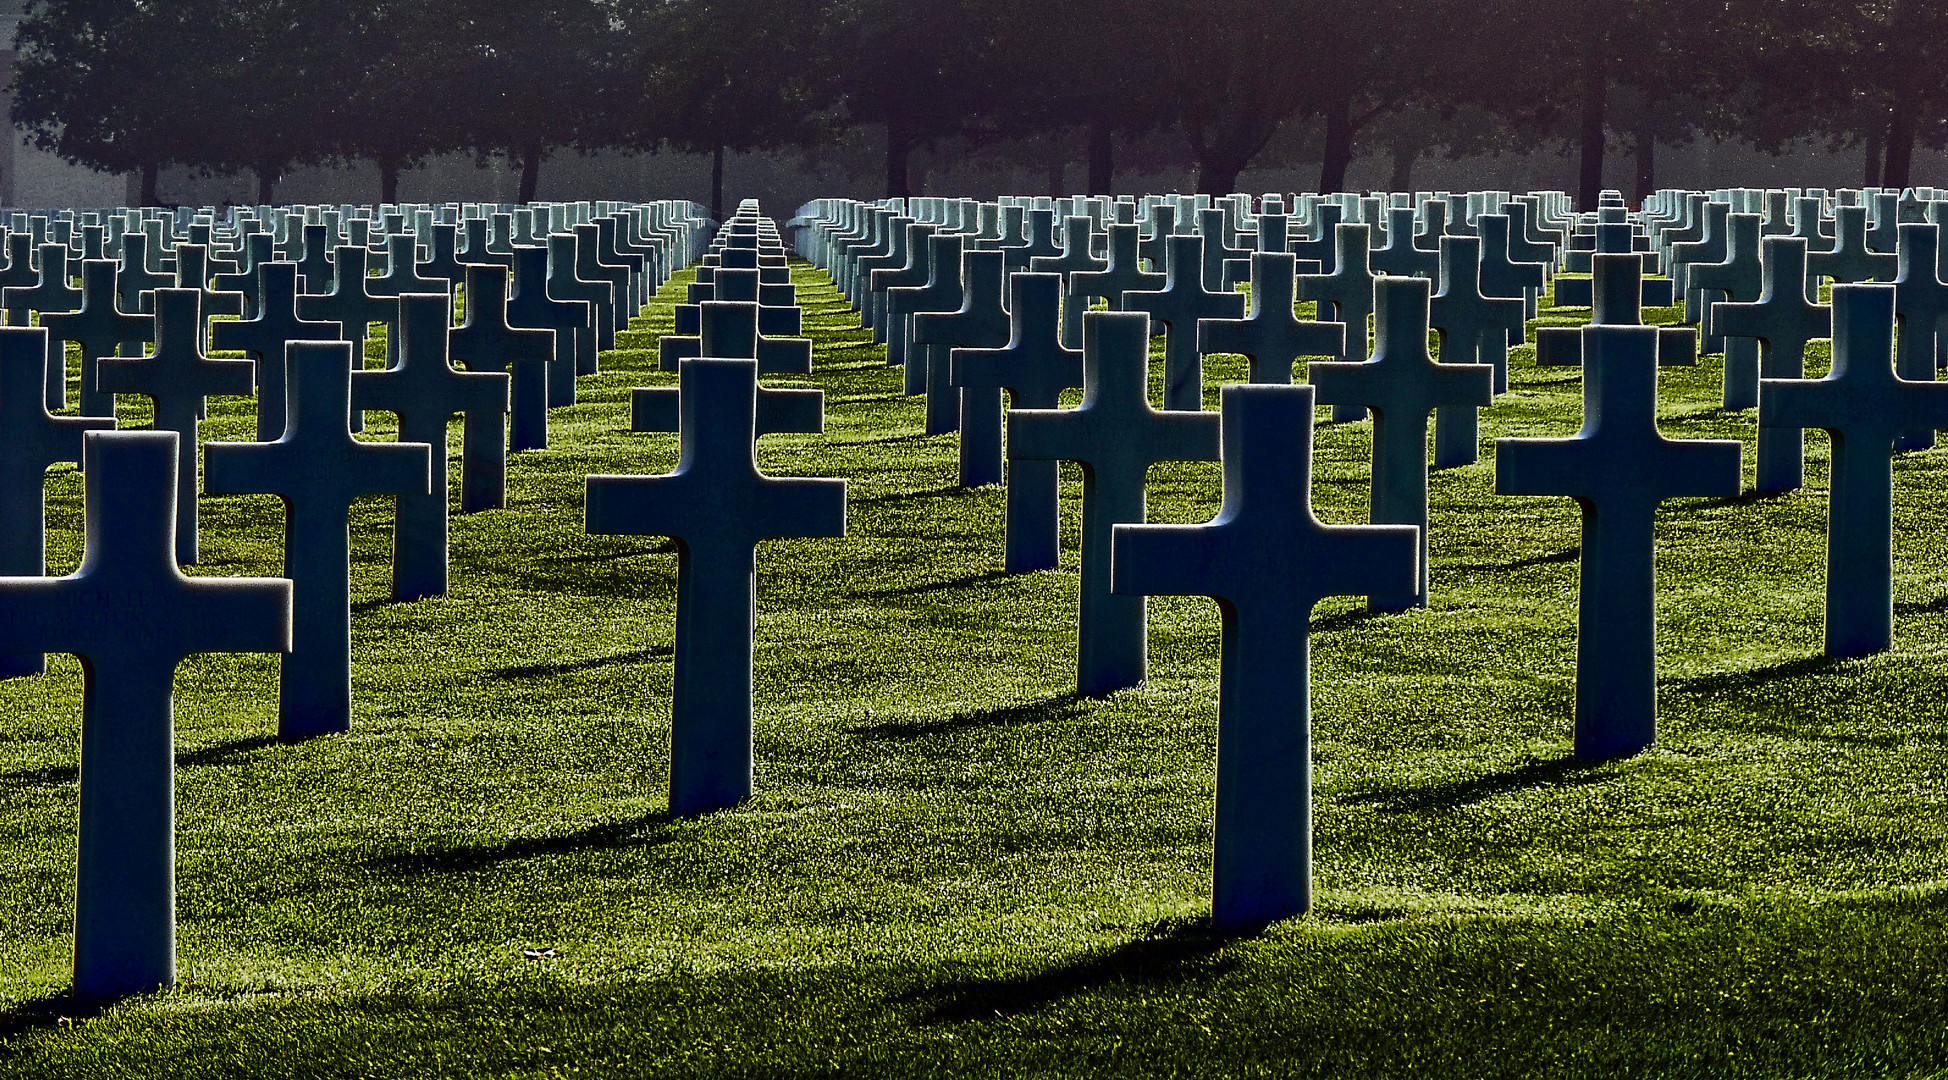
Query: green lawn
x=955, y=867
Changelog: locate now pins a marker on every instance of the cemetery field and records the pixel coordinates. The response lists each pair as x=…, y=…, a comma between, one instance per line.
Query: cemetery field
x=953, y=865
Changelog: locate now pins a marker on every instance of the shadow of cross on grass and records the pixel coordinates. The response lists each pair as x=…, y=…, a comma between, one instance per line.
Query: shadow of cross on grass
x=541, y=671
x=455, y=855
x=1168, y=952
x=64, y=775
x=1559, y=772
x=1058, y=707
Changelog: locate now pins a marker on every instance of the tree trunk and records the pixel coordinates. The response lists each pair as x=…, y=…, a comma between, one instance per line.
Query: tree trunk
x=266, y=185
x=1404, y=156
x=388, y=178
x=899, y=154
x=1876, y=147
x=1900, y=144
x=151, y=180
x=1646, y=166
x=717, y=182
x=1596, y=89
x=531, y=155
x=1337, y=155
x=1102, y=159
x=1058, y=173
x=1217, y=176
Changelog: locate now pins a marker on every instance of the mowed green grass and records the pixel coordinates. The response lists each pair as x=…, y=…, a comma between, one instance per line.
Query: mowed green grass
x=953, y=866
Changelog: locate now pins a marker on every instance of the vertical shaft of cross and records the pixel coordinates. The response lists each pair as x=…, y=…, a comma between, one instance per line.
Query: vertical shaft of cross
x=1262, y=855
x=711, y=757
x=1616, y=634
x=125, y=875
x=1859, y=545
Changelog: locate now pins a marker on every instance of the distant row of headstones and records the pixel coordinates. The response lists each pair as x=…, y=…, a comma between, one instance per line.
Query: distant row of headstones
x=975, y=303
x=128, y=610
x=975, y=316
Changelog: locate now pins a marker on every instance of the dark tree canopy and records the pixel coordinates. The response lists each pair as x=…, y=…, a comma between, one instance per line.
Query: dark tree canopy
x=264, y=86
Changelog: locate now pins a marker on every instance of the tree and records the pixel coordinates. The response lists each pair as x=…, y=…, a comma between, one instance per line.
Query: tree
x=1563, y=76
x=394, y=62
x=730, y=78
x=526, y=77
x=107, y=84
x=927, y=71
x=1872, y=73
x=267, y=80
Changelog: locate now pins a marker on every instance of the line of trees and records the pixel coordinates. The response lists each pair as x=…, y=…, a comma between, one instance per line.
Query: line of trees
x=268, y=86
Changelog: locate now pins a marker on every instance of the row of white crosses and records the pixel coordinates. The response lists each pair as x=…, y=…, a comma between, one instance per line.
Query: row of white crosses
x=625, y=251
x=717, y=506
x=132, y=615
x=1619, y=468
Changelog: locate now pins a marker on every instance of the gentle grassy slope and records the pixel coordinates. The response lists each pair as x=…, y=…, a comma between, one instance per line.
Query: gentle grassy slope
x=953, y=866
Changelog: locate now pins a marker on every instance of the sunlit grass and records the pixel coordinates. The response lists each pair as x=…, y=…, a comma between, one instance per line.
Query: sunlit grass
x=953, y=866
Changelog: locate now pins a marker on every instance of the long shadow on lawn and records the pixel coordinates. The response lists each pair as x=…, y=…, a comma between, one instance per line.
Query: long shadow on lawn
x=1452, y=794
x=1724, y=682
x=539, y=671
x=51, y=1010
x=644, y=830
x=955, y=492
x=64, y=775
x=1924, y=607
x=1026, y=712
x=1171, y=952
x=1565, y=556
x=225, y=752
x=964, y=582
x=890, y=439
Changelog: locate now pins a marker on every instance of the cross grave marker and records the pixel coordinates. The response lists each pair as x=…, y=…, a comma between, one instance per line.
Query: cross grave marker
x=424, y=391
x=317, y=468
x=178, y=377
x=133, y=616
x=1618, y=468
x=717, y=506
x=1267, y=560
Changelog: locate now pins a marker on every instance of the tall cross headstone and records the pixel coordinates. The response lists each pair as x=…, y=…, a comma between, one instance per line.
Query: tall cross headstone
x=1034, y=367
x=717, y=506
x=488, y=343
x=1618, y=468
x=98, y=329
x=564, y=283
x=1115, y=436
x=52, y=293
x=529, y=307
x=264, y=338
x=1267, y=559
x=425, y=391
x=133, y=616
x=1782, y=322
x=1177, y=307
x=1921, y=306
x=1741, y=278
x=1863, y=405
x=1403, y=386
x=1273, y=337
x=941, y=293
x=178, y=377
x=317, y=468
x=30, y=440
x=1124, y=274
x=1348, y=290
x=728, y=329
x=1473, y=329
x=980, y=323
